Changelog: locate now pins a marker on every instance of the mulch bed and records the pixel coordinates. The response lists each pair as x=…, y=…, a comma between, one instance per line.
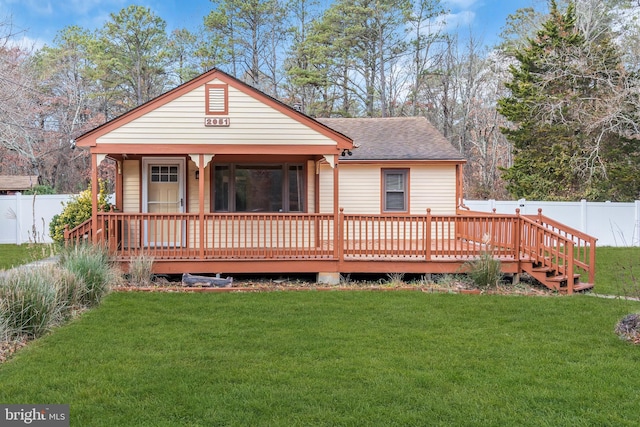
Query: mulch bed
x=266, y=285
x=9, y=348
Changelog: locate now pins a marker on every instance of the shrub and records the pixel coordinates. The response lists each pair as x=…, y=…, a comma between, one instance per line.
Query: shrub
x=395, y=279
x=140, y=270
x=70, y=289
x=40, y=189
x=4, y=326
x=28, y=303
x=77, y=211
x=628, y=328
x=92, y=265
x=486, y=271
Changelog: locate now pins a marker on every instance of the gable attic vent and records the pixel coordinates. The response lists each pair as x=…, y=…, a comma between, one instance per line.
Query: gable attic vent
x=217, y=101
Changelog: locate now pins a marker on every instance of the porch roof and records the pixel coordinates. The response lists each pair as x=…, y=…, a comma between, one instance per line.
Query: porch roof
x=394, y=138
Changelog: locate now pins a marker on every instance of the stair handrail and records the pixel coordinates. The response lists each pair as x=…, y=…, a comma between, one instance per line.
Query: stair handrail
x=569, y=262
x=581, y=239
x=78, y=233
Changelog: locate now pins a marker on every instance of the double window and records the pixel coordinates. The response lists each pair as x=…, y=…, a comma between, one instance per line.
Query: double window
x=395, y=189
x=258, y=188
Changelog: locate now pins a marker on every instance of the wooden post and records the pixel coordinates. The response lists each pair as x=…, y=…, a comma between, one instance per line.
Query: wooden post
x=201, y=179
x=119, y=185
x=337, y=239
x=94, y=197
x=570, y=266
x=517, y=239
x=340, y=233
x=592, y=261
x=428, y=236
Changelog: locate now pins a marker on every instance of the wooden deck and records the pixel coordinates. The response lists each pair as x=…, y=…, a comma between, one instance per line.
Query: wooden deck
x=341, y=243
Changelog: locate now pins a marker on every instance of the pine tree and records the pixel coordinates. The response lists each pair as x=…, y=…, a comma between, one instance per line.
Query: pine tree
x=567, y=92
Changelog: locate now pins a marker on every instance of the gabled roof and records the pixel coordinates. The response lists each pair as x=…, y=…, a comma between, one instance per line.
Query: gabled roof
x=89, y=138
x=17, y=182
x=394, y=138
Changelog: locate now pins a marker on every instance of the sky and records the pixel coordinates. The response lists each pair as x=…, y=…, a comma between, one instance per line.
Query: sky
x=40, y=20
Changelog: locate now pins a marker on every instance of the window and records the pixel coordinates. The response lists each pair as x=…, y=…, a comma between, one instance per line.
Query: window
x=395, y=190
x=258, y=188
x=216, y=99
x=164, y=173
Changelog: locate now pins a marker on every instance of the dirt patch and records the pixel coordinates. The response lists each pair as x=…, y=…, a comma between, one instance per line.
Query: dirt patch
x=9, y=348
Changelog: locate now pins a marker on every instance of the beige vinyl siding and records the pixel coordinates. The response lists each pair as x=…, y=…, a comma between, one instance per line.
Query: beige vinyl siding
x=193, y=186
x=434, y=187
x=360, y=189
x=131, y=200
x=311, y=186
x=181, y=121
x=131, y=186
x=326, y=188
x=430, y=186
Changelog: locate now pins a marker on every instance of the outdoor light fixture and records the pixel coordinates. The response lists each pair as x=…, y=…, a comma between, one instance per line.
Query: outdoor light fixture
x=197, y=174
x=345, y=152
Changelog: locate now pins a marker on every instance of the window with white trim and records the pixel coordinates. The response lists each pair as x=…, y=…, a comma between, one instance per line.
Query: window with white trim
x=395, y=188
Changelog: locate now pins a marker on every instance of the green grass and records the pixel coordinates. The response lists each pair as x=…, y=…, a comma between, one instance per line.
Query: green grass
x=618, y=271
x=14, y=255
x=335, y=358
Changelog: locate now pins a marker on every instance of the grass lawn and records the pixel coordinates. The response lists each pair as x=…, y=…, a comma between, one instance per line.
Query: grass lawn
x=13, y=255
x=335, y=358
x=618, y=271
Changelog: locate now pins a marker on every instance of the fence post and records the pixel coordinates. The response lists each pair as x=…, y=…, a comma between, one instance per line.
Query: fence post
x=583, y=216
x=635, y=240
x=18, y=218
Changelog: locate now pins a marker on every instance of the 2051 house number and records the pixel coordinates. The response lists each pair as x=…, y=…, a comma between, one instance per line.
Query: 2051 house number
x=217, y=121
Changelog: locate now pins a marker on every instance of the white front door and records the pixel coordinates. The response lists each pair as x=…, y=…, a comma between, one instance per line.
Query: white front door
x=163, y=196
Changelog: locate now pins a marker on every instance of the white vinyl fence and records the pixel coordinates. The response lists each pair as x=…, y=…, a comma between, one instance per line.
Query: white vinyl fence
x=613, y=224
x=25, y=219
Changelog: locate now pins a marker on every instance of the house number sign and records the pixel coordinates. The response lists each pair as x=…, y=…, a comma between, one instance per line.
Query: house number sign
x=216, y=122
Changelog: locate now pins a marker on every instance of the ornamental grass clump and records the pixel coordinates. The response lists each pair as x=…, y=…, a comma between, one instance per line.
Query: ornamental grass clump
x=628, y=328
x=486, y=270
x=91, y=264
x=141, y=270
x=29, y=303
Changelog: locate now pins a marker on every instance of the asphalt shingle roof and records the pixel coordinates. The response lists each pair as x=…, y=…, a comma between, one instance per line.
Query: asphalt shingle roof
x=17, y=182
x=394, y=138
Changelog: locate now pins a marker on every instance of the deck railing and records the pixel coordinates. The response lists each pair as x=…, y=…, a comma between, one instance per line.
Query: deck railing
x=220, y=236
x=343, y=237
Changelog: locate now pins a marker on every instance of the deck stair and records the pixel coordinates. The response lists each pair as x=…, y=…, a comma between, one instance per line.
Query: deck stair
x=554, y=280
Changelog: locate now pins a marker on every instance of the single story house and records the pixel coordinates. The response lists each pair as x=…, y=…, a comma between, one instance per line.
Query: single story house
x=215, y=176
